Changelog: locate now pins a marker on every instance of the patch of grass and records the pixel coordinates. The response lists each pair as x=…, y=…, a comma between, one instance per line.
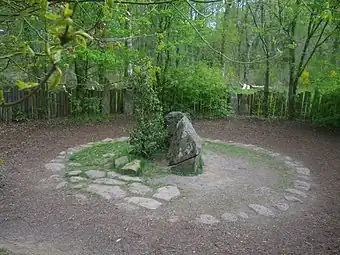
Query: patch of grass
x=92, y=157
x=256, y=157
x=4, y=251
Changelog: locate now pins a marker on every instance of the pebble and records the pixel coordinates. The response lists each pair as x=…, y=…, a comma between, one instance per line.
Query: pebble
x=207, y=219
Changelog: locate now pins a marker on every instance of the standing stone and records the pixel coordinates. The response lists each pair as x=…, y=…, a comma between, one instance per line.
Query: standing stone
x=184, y=154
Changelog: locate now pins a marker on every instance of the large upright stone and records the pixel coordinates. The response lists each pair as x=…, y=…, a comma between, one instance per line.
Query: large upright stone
x=185, y=145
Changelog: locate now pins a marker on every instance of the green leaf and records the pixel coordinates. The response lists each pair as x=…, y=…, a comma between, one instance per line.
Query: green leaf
x=52, y=16
x=2, y=99
x=68, y=11
x=56, y=79
x=56, y=56
x=26, y=85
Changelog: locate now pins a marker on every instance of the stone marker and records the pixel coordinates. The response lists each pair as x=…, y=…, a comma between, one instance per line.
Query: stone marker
x=301, y=185
x=148, y=203
x=207, y=219
x=293, y=199
x=262, y=210
x=95, y=174
x=108, y=181
x=296, y=192
x=108, y=192
x=74, y=173
x=184, y=153
x=139, y=188
x=167, y=193
x=229, y=217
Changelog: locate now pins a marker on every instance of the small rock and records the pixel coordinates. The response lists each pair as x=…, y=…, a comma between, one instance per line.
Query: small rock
x=262, y=210
x=58, y=160
x=84, y=146
x=109, y=155
x=281, y=206
x=62, y=157
x=129, y=178
x=54, y=177
x=139, y=188
x=62, y=153
x=301, y=185
x=74, y=173
x=113, y=175
x=229, y=217
x=290, y=164
x=288, y=158
x=55, y=167
x=167, y=193
x=108, y=192
x=61, y=185
x=74, y=164
x=303, y=170
x=243, y=215
x=122, y=139
x=148, y=203
x=293, y=199
x=296, y=192
x=121, y=161
x=207, y=219
x=108, y=181
x=133, y=166
x=95, y=174
x=75, y=179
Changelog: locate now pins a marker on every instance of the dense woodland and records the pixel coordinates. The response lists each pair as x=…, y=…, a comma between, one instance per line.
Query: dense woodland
x=211, y=58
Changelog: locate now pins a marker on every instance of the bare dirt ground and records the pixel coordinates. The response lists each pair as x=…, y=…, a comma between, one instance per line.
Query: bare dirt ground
x=35, y=221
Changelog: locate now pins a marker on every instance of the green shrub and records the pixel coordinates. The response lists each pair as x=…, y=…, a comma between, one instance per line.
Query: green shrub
x=148, y=136
x=198, y=90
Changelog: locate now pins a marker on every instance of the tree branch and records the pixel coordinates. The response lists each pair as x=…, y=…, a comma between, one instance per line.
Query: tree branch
x=33, y=91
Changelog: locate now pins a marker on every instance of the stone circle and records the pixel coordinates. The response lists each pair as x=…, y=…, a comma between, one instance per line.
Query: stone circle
x=133, y=192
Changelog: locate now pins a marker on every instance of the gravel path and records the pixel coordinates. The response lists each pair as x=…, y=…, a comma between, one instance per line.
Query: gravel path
x=34, y=220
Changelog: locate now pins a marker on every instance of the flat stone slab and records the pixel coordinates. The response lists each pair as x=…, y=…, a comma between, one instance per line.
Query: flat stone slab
x=243, y=215
x=113, y=175
x=128, y=178
x=296, y=192
x=74, y=173
x=293, y=199
x=207, y=219
x=95, y=174
x=121, y=161
x=262, y=210
x=80, y=186
x=167, y=193
x=305, y=177
x=107, y=192
x=303, y=171
x=107, y=140
x=55, y=167
x=127, y=207
x=281, y=206
x=229, y=217
x=301, y=185
x=75, y=164
x=139, y=188
x=148, y=203
x=75, y=179
x=108, y=181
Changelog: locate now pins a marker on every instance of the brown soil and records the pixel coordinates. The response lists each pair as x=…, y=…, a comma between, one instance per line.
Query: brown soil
x=35, y=221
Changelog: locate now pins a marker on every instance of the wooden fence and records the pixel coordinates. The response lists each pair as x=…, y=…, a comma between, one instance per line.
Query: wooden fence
x=47, y=105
